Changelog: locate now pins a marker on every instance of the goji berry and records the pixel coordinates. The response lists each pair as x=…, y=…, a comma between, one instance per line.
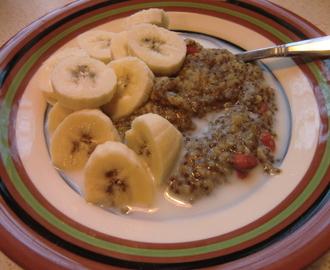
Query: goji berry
x=268, y=140
x=264, y=107
x=192, y=49
x=241, y=175
x=244, y=162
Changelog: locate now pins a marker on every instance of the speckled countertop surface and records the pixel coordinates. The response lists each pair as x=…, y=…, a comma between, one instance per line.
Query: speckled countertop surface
x=16, y=14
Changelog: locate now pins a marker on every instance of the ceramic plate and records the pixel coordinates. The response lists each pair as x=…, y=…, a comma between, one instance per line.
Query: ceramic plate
x=267, y=221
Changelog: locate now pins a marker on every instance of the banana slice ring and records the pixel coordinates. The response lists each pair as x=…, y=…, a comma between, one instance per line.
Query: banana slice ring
x=97, y=44
x=162, y=50
x=56, y=116
x=118, y=46
x=44, y=72
x=134, y=83
x=154, y=16
x=75, y=139
x=157, y=142
x=83, y=83
x=115, y=177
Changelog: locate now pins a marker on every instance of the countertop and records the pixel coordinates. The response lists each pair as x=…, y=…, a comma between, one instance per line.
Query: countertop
x=16, y=14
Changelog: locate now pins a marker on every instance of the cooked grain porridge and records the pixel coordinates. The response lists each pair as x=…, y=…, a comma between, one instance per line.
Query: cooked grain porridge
x=239, y=136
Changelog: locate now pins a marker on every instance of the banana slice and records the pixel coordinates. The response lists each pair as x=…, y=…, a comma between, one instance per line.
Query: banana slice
x=56, y=116
x=118, y=46
x=97, y=44
x=77, y=136
x=115, y=176
x=162, y=50
x=44, y=81
x=157, y=142
x=134, y=83
x=153, y=15
x=83, y=83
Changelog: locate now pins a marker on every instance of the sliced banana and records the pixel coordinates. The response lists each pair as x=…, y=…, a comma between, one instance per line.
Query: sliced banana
x=76, y=137
x=157, y=142
x=83, y=83
x=55, y=117
x=115, y=176
x=162, y=50
x=153, y=15
x=45, y=70
x=134, y=83
x=97, y=44
x=118, y=46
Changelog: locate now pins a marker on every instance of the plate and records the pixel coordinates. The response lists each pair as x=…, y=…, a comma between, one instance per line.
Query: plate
x=282, y=218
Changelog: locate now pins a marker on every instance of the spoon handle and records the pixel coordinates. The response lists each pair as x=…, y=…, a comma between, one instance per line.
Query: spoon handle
x=311, y=47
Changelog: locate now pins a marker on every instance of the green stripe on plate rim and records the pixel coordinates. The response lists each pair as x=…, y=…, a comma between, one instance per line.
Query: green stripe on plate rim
x=28, y=197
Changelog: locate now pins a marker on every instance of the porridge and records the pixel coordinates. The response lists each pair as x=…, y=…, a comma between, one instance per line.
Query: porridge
x=239, y=136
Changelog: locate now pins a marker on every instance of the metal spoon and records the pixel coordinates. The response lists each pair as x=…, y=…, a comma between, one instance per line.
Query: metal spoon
x=311, y=47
